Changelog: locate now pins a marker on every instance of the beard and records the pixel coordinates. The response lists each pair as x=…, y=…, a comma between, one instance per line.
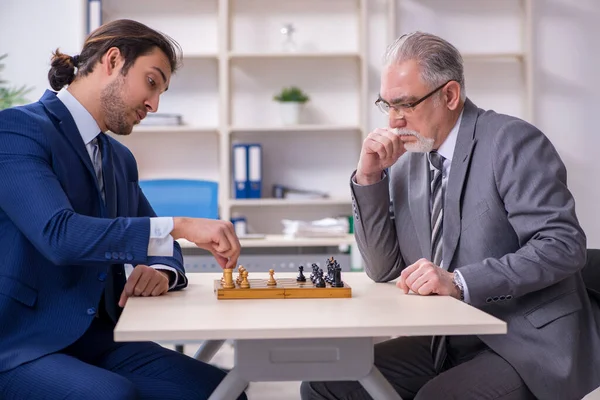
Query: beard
x=116, y=113
x=422, y=145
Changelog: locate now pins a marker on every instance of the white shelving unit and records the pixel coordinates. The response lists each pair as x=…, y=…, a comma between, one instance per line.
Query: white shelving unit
x=498, y=78
x=233, y=65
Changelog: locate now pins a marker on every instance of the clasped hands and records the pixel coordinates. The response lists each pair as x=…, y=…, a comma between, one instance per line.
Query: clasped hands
x=425, y=278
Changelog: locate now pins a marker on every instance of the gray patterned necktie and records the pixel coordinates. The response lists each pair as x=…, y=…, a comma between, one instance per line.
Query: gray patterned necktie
x=437, y=208
x=438, y=343
x=97, y=161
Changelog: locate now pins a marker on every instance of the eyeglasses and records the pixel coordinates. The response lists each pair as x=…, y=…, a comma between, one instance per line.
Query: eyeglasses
x=405, y=108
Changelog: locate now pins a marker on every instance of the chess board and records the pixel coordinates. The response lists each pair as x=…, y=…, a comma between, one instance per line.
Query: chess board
x=286, y=288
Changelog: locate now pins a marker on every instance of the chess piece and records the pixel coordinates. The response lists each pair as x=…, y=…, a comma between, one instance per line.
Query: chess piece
x=313, y=275
x=228, y=277
x=241, y=269
x=271, y=281
x=301, y=277
x=245, y=284
x=337, y=277
x=320, y=282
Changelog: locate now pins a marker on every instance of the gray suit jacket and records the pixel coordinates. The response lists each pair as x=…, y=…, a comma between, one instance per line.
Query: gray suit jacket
x=510, y=228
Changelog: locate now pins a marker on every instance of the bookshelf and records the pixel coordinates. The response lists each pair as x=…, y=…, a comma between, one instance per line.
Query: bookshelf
x=233, y=64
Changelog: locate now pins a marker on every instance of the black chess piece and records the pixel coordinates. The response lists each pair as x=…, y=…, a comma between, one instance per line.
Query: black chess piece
x=320, y=282
x=337, y=277
x=301, y=277
x=313, y=275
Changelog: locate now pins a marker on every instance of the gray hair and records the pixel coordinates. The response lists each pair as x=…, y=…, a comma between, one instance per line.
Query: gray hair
x=439, y=60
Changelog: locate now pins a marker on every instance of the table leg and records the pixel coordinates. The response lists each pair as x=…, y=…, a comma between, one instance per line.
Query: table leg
x=230, y=388
x=208, y=349
x=379, y=387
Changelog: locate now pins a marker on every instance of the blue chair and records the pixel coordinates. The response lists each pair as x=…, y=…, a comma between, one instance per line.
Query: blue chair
x=182, y=197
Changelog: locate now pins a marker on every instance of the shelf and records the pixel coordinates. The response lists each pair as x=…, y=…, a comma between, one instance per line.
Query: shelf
x=288, y=202
x=503, y=56
x=283, y=241
x=295, y=128
x=200, y=56
x=173, y=129
x=249, y=56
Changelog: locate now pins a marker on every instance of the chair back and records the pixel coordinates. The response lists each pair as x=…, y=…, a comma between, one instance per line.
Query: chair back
x=182, y=197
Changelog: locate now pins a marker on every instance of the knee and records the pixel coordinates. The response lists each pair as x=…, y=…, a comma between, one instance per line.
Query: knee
x=309, y=391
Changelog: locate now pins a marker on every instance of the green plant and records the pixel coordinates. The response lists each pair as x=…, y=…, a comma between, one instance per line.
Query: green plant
x=292, y=94
x=11, y=96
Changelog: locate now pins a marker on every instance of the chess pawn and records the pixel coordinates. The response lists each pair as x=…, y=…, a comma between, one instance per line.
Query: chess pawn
x=228, y=275
x=301, y=277
x=241, y=269
x=271, y=281
x=244, y=284
x=320, y=282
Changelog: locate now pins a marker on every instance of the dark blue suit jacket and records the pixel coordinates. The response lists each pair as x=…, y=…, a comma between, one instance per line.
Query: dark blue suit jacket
x=58, y=240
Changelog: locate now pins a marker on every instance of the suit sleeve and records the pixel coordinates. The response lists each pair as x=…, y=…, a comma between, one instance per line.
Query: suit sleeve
x=375, y=231
x=176, y=262
x=33, y=199
x=532, y=181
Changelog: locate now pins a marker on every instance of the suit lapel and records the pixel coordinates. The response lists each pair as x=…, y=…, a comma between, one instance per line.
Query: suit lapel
x=68, y=128
x=465, y=143
x=418, y=194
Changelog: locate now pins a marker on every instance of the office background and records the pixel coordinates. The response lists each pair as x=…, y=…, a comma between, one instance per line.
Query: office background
x=558, y=94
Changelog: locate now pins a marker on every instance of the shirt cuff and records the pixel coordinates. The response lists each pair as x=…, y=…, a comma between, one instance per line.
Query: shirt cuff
x=173, y=278
x=465, y=287
x=161, y=241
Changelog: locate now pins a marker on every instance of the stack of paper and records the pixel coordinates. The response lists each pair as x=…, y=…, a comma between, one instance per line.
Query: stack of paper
x=327, y=227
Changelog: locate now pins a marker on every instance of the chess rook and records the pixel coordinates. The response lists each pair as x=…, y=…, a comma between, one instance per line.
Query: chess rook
x=228, y=278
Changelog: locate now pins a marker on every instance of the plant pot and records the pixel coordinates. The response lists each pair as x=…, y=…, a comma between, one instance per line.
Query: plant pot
x=290, y=112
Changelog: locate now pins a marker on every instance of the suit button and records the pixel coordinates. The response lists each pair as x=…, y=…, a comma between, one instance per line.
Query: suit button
x=91, y=311
x=121, y=256
x=102, y=276
x=129, y=257
x=488, y=300
x=502, y=298
x=495, y=298
x=115, y=255
x=107, y=255
x=508, y=297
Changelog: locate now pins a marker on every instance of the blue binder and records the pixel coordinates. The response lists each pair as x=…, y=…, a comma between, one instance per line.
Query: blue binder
x=240, y=171
x=255, y=170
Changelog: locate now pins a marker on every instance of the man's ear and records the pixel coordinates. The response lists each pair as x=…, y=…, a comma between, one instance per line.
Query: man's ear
x=112, y=61
x=452, y=95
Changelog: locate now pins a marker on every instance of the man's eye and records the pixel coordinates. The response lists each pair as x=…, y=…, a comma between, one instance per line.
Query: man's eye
x=151, y=82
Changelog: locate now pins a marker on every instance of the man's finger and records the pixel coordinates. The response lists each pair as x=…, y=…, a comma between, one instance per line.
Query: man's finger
x=132, y=280
x=123, y=299
x=147, y=275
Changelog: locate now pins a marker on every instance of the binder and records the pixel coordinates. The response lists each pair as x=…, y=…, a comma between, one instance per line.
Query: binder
x=94, y=13
x=255, y=171
x=240, y=171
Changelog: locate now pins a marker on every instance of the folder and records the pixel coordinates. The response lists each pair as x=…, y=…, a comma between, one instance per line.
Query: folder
x=255, y=171
x=240, y=171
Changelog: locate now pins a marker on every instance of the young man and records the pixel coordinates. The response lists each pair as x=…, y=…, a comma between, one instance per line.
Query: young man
x=72, y=214
x=481, y=212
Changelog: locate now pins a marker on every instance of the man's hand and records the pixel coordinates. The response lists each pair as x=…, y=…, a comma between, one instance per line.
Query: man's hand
x=380, y=150
x=145, y=281
x=214, y=235
x=424, y=278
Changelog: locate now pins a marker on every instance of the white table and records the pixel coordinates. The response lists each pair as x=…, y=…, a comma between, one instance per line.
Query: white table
x=303, y=339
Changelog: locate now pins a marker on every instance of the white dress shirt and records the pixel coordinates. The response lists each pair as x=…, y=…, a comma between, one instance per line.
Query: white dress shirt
x=160, y=242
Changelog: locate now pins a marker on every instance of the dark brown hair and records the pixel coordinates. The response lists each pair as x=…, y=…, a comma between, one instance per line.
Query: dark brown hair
x=132, y=38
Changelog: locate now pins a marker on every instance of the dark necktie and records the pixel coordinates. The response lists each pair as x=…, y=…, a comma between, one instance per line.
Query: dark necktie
x=438, y=343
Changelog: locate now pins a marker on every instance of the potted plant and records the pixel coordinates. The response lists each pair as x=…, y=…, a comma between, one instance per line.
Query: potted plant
x=291, y=100
x=11, y=96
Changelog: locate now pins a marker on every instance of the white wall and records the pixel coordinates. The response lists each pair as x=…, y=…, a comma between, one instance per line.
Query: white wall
x=566, y=54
